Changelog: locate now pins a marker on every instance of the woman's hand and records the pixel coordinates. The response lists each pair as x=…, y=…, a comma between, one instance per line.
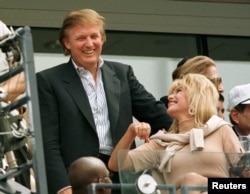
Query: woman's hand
x=141, y=130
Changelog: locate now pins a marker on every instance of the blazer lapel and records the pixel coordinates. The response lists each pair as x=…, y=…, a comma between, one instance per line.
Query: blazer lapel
x=113, y=90
x=74, y=87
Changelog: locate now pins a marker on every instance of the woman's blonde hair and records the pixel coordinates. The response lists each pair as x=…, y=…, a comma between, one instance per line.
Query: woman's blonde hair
x=202, y=97
x=81, y=17
x=198, y=64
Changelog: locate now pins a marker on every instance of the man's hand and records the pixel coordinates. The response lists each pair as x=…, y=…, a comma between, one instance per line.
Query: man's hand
x=66, y=191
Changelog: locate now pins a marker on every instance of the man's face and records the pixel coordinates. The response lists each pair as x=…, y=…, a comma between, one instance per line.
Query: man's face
x=85, y=44
x=220, y=109
x=242, y=119
x=213, y=74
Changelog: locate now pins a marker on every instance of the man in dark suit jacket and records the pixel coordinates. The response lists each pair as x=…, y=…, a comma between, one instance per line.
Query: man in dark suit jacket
x=87, y=104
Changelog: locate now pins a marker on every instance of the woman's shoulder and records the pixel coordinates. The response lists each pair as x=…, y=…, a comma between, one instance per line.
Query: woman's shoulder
x=216, y=122
x=226, y=130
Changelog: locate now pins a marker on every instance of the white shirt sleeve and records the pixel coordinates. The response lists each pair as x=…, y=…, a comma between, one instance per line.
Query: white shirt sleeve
x=4, y=67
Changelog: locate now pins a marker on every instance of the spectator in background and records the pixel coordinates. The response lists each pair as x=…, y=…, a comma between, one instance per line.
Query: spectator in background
x=87, y=170
x=15, y=86
x=86, y=104
x=220, y=106
x=10, y=90
x=239, y=109
x=202, y=65
x=196, y=127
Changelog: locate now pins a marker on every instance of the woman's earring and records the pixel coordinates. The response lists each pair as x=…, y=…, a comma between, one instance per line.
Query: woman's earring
x=191, y=111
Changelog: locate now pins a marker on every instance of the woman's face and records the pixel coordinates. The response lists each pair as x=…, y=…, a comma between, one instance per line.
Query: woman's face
x=178, y=105
x=214, y=76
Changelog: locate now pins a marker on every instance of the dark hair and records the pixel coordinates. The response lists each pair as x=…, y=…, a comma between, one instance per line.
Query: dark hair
x=164, y=99
x=175, y=73
x=221, y=97
x=181, y=62
x=240, y=107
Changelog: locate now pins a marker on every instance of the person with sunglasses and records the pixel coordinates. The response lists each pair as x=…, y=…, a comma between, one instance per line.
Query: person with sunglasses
x=202, y=65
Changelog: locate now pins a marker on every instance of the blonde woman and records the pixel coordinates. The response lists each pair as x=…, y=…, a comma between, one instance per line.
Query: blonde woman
x=196, y=133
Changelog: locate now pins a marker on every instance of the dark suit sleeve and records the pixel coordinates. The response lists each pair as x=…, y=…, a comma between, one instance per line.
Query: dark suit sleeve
x=57, y=177
x=145, y=107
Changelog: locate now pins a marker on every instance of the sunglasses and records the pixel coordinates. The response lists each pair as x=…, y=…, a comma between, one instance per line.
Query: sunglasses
x=216, y=81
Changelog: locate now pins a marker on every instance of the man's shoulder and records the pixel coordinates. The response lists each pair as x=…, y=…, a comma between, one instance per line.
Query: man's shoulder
x=116, y=65
x=55, y=69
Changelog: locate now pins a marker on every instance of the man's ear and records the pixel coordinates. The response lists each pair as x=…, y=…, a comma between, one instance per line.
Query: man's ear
x=235, y=115
x=66, y=43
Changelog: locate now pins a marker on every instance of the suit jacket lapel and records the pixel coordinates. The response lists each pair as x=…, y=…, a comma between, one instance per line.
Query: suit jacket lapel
x=74, y=87
x=113, y=90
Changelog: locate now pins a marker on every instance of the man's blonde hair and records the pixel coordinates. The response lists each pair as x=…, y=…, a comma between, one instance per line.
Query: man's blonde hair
x=81, y=17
